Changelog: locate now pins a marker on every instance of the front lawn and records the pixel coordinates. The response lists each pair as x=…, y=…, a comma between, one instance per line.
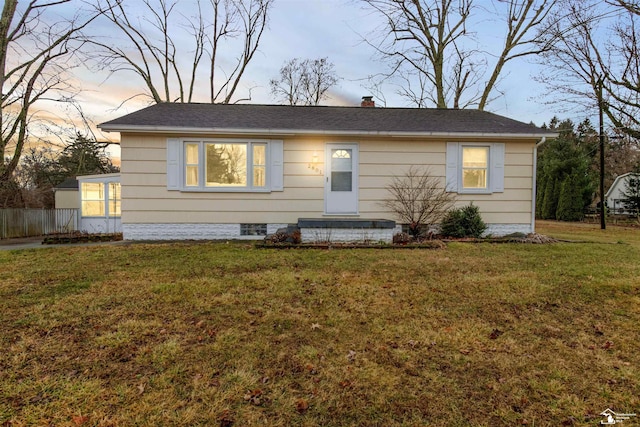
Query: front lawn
x=218, y=334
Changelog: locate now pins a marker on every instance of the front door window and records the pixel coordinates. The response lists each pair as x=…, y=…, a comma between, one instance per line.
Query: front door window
x=341, y=170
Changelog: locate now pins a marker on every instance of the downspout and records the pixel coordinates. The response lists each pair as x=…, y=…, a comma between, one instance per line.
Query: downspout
x=533, y=186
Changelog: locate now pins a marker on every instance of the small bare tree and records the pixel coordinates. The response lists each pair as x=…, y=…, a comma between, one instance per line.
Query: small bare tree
x=418, y=199
x=304, y=82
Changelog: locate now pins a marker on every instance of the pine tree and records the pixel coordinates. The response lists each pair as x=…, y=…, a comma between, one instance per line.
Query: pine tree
x=43, y=168
x=550, y=200
x=570, y=201
x=569, y=155
x=540, y=189
x=84, y=156
x=631, y=193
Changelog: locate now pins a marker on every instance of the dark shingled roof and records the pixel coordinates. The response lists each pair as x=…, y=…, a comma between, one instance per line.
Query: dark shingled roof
x=68, y=184
x=351, y=120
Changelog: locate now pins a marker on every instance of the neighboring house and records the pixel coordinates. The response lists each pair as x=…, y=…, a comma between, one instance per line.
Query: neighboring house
x=210, y=171
x=615, y=195
x=66, y=195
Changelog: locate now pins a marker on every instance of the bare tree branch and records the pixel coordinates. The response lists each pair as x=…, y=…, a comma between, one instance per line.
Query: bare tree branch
x=596, y=42
x=523, y=18
x=154, y=48
x=34, y=56
x=304, y=82
x=419, y=199
x=429, y=41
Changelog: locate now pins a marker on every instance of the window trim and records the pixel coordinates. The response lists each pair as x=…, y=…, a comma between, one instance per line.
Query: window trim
x=496, y=167
x=461, y=168
x=117, y=202
x=202, y=186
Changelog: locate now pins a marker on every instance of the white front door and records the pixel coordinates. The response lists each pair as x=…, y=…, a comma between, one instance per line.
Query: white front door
x=341, y=179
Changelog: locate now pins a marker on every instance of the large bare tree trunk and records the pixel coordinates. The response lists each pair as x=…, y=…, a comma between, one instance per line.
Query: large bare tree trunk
x=521, y=40
x=34, y=55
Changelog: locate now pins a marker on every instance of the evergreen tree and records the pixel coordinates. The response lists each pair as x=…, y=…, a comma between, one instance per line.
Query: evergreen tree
x=540, y=188
x=631, y=201
x=566, y=183
x=550, y=199
x=43, y=168
x=570, y=200
x=84, y=156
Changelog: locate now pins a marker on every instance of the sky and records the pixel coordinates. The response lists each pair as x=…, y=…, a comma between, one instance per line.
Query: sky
x=334, y=29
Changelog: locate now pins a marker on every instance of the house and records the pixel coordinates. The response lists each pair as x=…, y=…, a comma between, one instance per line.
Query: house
x=100, y=203
x=97, y=200
x=66, y=195
x=215, y=171
x=615, y=195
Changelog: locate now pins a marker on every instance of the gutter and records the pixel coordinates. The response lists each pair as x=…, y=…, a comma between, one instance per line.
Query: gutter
x=534, y=184
x=293, y=132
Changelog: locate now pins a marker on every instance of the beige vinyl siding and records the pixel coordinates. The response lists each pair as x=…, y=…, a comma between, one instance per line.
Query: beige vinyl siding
x=145, y=198
x=380, y=162
x=67, y=199
x=513, y=206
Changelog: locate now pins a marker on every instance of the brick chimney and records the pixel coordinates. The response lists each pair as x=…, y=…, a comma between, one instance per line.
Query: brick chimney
x=367, y=102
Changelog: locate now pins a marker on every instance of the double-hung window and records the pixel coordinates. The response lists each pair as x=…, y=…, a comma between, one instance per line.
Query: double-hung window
x=225, y=165
x=475, y=167
x=92, y=197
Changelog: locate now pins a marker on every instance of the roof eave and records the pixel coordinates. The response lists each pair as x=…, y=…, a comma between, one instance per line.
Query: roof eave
x=291, y=132
x=99, y=175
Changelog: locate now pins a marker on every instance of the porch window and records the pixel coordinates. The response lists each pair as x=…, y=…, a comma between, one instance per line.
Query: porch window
x=114, y=199
x=100, y=199
x=93, y=199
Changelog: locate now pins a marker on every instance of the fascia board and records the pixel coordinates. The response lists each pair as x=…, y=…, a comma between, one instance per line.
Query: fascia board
x=285, y=132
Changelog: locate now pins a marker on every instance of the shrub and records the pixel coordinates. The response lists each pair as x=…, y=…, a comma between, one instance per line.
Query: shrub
x=284, y=235
x=419, y=199
x=401, y=238
x=463, y=222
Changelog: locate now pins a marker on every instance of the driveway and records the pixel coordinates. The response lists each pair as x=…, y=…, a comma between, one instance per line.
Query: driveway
x=36, y=243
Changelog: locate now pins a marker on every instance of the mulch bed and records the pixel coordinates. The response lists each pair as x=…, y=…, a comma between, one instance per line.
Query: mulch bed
x=532, y=238
x=80, y=237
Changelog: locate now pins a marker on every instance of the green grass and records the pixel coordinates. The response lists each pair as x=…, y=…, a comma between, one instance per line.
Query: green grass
x=226, y=334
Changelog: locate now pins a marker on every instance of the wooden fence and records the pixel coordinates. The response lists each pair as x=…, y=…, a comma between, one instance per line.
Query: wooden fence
x=36, y=222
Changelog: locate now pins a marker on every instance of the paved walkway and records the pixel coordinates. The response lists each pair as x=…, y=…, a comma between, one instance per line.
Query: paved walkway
x=36, y=243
